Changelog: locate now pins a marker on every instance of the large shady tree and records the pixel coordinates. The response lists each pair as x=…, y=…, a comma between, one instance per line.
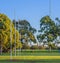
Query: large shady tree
x=48, y=30
x=7, y=35
x=26, y=31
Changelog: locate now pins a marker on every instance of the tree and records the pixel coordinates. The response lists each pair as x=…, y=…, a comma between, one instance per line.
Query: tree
x=24, y=24
x=6, y=33
x=48, y=30
x=26, y=31
x=58, y=26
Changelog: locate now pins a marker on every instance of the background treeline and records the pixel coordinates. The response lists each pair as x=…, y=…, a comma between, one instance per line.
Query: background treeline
x=21, y=35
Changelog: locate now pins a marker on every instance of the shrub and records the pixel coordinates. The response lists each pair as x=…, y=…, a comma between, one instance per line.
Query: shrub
x=25, y=46
x=41, y=47
x=34, y=47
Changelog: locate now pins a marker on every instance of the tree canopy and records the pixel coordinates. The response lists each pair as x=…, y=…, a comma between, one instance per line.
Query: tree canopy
x=16, y=33
x=7, y=34
x=26, y=30
x=48, y=29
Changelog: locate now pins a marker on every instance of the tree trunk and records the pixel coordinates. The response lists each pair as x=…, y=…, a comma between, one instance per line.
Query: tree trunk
x=50, y=48
x=0, y=49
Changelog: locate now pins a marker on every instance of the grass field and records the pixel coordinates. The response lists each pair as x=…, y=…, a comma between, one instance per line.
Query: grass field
x=34, y=53
x=28, y=61
x=31, y=56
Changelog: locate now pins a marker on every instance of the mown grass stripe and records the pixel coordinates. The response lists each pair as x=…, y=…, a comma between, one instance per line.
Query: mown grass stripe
x=28, y=57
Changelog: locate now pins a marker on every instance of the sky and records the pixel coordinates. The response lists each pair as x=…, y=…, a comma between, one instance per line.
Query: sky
x=31, y=10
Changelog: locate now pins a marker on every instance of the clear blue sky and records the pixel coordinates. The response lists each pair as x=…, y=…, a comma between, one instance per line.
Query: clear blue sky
x=31, y=10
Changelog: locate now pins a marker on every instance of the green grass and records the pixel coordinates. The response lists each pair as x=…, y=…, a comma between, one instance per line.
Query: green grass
x=28, y=61
x=34, y=53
